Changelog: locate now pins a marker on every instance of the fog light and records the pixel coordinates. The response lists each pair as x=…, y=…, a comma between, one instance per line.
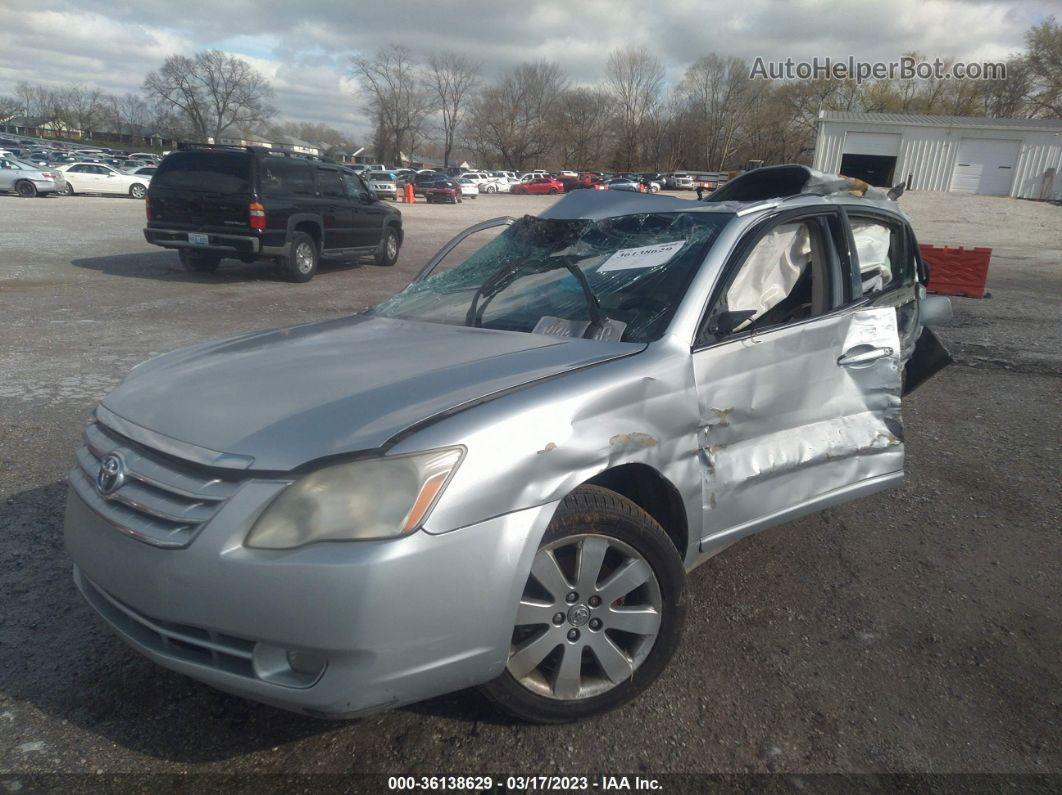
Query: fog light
x=287, y=667
x=307, y=663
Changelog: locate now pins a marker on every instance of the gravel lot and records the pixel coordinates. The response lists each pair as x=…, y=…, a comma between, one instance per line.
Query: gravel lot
x=914, y=631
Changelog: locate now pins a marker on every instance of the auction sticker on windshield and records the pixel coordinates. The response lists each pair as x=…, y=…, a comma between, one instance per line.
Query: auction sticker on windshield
x=643, y=257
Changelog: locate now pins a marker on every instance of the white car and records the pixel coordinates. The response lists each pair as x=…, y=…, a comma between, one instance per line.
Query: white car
x=481, y=178
x=468, y=187
x=100, y=178
x=499, y=184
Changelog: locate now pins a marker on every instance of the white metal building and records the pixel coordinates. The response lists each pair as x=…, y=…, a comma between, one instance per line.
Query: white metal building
x=965, y=154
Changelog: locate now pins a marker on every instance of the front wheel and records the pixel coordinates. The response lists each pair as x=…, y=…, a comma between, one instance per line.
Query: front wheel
x=137, y=191
x=387, y=251
x=601, y=614
x=66, y=190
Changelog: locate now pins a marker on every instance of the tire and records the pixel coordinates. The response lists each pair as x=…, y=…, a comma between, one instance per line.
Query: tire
x=66, y=190
x=137, y=191
x=26, y=190
x=301, y=264
x=199, y=263
x=387, y=251
x=619, y=537
x=553, y=191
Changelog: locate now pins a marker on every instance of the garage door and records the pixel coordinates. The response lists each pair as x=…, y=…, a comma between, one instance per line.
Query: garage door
x=984, y=165
x=863, y=143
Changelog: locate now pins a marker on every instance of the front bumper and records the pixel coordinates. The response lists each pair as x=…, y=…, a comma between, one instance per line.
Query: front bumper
x=395, y=621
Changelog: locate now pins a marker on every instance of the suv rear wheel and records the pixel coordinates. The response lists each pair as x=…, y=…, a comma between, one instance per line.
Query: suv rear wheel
x=302, y=260
x=601, y=615
x=199, y=263
x=387, y=251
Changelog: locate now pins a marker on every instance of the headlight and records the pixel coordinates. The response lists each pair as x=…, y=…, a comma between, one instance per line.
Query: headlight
x=361, y=500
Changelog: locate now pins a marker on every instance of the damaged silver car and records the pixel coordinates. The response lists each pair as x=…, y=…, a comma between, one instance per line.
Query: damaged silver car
x=502, y=475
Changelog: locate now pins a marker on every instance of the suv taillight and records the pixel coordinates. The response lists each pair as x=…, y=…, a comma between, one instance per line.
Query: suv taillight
x=257, y=215
x=147, y=208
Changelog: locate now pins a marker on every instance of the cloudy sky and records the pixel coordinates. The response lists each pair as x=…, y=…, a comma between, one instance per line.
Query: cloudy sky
x=304, y=47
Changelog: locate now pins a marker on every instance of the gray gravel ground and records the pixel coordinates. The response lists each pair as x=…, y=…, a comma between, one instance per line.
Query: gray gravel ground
x=913, y=631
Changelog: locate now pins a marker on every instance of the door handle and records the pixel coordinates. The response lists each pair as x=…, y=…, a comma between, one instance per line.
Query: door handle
x=862, y=355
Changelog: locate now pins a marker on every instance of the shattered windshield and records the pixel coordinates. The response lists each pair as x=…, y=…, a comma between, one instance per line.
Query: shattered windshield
x=615, y=279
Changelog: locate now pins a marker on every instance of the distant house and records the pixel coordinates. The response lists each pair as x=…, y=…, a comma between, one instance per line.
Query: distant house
x=289, y=143
x=431, y=162
x=38, y=128
x=280, y=143
x=136, y=134
x=243, y=138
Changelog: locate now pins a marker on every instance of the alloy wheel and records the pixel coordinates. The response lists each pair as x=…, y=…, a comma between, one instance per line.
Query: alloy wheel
x=589, y=616
x=304, y=257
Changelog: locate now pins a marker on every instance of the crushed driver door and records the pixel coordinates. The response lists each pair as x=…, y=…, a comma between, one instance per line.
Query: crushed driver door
x=799, y=418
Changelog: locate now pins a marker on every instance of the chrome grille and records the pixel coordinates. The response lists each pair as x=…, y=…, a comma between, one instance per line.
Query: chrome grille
x=191, y=644
x=162, y=502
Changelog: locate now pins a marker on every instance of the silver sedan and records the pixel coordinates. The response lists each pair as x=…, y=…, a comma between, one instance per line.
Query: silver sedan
x=28, y=180
x=501, y=475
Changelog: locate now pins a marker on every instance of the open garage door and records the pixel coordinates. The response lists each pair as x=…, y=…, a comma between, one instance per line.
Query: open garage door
x=870, y=157
x=985, y=165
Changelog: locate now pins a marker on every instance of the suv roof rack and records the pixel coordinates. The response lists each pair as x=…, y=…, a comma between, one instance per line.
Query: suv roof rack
x=268, y=150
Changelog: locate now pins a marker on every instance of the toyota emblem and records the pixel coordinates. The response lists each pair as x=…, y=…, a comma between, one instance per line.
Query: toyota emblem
x=111, y=475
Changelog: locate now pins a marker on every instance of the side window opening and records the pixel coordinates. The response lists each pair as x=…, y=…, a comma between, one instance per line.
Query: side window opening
x=331, y=184
x=283, y=176
x=783, y=279
x=878, y=252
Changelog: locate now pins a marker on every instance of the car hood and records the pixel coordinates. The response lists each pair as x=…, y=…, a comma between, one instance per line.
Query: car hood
x=287, y=396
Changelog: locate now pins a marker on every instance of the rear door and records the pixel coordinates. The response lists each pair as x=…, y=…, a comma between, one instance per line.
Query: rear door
x=798, y=381
x=882, y=269
x=338, y=213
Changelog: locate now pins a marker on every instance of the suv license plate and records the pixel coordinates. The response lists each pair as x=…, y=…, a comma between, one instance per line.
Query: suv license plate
x=198, y=240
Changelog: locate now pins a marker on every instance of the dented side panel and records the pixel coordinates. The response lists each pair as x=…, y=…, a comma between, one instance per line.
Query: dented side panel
x=783, y=423
x=538, y=444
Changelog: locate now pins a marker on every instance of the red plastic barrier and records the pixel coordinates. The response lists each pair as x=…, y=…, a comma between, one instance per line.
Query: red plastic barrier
x=957, y=271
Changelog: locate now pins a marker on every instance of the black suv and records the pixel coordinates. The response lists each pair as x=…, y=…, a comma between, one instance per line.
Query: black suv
x=210, y=202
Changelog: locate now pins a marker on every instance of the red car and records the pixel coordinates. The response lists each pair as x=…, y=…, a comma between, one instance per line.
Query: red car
x=539, y=185
x=443, y=190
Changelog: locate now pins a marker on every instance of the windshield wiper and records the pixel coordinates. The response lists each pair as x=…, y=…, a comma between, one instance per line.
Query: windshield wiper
x=510, y=271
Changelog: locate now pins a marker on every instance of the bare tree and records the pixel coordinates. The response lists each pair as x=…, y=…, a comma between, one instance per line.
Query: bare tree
x=634, y=78
x=451, y=79
x=1045, y=68
x=213, y=91
x=512, y=119
x=581, y=126
x=396, y=98
x=38, y=102
x=718, y=92
x=9, y=106
x=81, y=107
